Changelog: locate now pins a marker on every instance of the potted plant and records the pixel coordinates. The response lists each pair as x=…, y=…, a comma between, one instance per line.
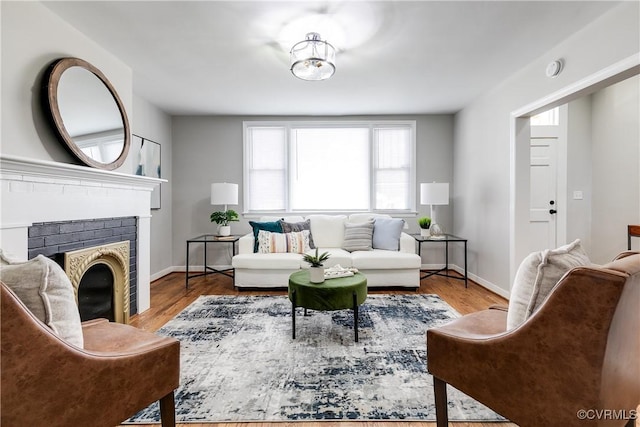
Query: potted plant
x=424, y=223
x=316, y=271
x=222, y=218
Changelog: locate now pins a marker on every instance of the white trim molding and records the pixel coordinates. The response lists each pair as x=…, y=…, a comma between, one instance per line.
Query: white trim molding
x=35, y=191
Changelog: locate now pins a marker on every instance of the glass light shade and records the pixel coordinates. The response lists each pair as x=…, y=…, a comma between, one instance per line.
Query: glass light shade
x=224, y=194
x=313, y=59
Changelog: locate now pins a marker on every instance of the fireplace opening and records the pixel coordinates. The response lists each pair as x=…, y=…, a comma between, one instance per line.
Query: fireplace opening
x=100, y=278
x=95, y=293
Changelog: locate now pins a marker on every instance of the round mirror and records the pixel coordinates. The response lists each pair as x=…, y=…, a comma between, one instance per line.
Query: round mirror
x=87, y=113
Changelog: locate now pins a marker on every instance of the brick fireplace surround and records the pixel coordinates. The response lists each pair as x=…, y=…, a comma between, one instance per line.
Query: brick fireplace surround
x=34, y=192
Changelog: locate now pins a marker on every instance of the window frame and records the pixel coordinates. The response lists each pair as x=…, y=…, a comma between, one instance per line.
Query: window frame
x=289, y=125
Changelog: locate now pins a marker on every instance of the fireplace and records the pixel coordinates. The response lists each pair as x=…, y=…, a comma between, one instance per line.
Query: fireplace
x=100, y=278
x=57, y=198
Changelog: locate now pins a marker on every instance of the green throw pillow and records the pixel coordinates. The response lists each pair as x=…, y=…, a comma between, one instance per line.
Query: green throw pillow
x=273, y=227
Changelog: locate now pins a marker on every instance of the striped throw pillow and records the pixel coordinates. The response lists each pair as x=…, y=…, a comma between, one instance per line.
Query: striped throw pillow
x=295, y=242
x=358, y=237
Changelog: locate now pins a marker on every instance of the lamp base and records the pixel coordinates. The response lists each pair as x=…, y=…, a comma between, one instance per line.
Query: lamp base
x=436, y=231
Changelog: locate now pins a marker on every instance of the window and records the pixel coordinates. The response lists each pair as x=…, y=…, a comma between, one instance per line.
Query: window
x=329, y=166
x=547, y=118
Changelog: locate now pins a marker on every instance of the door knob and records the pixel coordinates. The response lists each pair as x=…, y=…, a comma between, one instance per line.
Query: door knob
x=552, y=211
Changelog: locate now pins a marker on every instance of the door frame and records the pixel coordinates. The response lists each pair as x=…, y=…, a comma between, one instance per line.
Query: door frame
x=520, y=135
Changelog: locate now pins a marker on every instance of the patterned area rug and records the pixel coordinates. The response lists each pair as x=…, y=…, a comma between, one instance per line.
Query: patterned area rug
x=239, y=362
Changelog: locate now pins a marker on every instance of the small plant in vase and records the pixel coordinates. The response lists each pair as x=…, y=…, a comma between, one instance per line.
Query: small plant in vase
x=316, y=271
x=424, y=223
x=222, y=218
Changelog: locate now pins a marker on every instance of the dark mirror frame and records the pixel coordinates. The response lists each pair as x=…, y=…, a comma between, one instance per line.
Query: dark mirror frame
x=50, y=101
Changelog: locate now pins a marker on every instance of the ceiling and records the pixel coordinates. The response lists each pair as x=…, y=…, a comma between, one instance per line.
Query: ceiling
x=394, y=57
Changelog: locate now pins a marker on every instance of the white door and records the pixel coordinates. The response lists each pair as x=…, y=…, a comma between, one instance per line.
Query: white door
x=543, y=187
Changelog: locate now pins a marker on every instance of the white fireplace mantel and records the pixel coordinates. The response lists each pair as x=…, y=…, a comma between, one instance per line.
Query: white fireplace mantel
x=42, y=191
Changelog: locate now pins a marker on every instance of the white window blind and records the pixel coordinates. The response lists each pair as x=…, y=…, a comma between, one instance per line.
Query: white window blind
x=339, y=166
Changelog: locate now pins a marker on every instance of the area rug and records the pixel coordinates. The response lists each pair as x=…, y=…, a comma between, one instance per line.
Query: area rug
x=240, y=363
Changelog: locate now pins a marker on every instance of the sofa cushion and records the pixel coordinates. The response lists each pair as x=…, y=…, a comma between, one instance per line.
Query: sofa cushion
x=286, y=261
x=537, y=275
x=269, y=242
x=288, y=227
x=336, y=256
x=45, y=289
x=364, y=217
x=294, y=218
x=272, y=226
x=358, y=236
x=386, y=233
x=328, y=230
x=378, y=259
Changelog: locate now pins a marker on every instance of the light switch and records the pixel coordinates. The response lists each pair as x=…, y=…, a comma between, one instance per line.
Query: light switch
x=577, y=195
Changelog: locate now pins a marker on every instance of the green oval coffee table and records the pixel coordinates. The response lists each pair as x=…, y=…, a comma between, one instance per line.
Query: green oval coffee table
x=333, y=294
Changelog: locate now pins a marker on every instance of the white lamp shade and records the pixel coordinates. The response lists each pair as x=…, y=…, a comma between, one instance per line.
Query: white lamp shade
x=224, y=194
x=434, y=193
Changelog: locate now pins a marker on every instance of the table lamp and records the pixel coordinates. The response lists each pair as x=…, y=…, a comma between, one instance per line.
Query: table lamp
x=434, y=193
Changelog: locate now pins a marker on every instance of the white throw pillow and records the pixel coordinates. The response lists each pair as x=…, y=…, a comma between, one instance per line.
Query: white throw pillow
x=327, y=230
x=537, y=276
x=45, y=289
x=295, y=242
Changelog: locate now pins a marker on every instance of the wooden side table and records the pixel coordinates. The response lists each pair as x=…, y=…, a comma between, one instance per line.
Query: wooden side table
x=204, y=240
x=332, y=294
x=444, y=239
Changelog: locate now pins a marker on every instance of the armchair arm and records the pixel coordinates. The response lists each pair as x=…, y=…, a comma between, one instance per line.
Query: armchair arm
x=556, y=355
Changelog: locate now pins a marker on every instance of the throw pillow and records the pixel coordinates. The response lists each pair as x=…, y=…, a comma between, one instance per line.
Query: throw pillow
x=45, y=289
x=328, y=230
x=290, y=227
x=296, y=242
x=386, y=233
x=271, y=226
x=537, y=276
x=358, y=237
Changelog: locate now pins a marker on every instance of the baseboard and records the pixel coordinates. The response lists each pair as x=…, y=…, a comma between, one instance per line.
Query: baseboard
x=479, y=280
x=181, y=269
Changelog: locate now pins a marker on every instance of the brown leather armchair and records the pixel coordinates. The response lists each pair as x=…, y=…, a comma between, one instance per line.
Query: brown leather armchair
x=579, y=352
x=46, y=381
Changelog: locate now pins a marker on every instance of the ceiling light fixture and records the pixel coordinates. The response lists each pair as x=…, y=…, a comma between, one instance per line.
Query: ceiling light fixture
x=313, y=58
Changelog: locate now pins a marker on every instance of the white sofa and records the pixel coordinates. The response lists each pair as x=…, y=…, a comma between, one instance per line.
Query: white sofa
x=383, y=268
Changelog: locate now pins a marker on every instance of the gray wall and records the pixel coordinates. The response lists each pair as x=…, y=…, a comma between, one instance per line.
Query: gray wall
x=152, y=123
x=32, y=38
x=209, y=149
x=482, y=142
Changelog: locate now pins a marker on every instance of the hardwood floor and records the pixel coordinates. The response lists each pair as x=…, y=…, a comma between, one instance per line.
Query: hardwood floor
x=169, y=297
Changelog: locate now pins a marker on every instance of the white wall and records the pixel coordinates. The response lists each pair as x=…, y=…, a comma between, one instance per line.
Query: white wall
x=154, y=124
x=616, y=167
x=32, y=38
x=604, y=161
x=579, y=171
x=482, y=141
x=210, y=150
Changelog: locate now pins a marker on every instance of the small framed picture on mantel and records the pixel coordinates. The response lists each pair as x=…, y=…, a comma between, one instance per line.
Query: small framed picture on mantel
x=148, y=163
